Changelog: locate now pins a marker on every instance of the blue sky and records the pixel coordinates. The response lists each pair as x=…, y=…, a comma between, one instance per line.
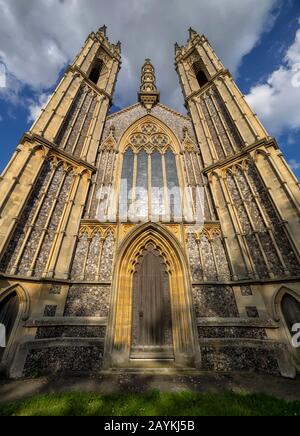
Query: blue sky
x=256, y=53
x=267, y=57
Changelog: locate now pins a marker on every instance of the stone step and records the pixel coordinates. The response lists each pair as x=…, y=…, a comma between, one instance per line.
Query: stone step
x=152, y=370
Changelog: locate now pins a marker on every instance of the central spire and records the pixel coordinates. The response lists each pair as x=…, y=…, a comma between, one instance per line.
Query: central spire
x=148, y=95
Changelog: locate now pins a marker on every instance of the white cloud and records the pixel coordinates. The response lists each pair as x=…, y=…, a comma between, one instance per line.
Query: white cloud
x=277, y=100
x=12, y=90
x=2, y=76
x=294, y=165
x=38, y=37
x=35, y=106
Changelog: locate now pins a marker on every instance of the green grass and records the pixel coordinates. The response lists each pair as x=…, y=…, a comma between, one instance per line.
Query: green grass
x=152, y=404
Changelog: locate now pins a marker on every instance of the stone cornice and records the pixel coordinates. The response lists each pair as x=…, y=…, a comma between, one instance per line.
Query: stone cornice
x=237, y=322
x=53, y=281
x=102, y=92
x=65, y=321
x=34, y=138
x=202, y=90
x=267, y=142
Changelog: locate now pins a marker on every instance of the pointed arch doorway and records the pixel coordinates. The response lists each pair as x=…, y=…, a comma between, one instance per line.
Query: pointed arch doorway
x=152, y=335
x=14, y=308
x=9, y=309
x=152, y=317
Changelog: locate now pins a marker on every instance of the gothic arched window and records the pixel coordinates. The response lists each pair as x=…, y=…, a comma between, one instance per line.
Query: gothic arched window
x=150, y=188
x=291, y=311
x=96, y=71
x=9, y=309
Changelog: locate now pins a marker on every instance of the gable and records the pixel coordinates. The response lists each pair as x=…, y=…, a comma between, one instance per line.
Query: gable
x=121, y=121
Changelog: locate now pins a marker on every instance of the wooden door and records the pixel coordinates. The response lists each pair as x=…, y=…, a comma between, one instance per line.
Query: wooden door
x=152, y=322
x=9, y=309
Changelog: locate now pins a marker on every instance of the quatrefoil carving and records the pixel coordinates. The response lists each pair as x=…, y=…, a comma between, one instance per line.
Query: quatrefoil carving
x=150, y=137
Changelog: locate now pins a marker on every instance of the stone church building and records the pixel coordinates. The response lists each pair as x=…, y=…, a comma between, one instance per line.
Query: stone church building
x=101, y=269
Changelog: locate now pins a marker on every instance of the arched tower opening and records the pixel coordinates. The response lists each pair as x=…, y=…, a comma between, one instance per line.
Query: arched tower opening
x=95, y=72
x=200, y=73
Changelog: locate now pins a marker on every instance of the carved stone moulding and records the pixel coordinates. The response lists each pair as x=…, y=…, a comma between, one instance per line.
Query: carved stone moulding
x=210, y=230
x=92, y=229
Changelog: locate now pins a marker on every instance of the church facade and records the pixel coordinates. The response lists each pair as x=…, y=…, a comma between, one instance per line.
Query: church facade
x=147, y=238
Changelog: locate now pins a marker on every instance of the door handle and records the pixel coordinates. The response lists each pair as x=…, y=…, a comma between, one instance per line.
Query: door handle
x=141, y=314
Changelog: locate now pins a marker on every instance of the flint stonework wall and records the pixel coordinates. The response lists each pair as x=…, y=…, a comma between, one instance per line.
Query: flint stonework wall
x=241, y=359
x=88, y=301
x=214, y=301
x=71, y=360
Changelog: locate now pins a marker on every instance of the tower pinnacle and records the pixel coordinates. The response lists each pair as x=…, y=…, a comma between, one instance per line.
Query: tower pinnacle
x=192, y=32
x=148, y=95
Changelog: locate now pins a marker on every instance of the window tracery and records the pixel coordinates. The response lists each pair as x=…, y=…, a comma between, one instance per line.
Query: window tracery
x=150, y=187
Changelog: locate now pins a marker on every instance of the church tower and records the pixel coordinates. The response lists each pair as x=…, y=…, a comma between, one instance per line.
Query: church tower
x=43, y=189
x=147, y=238
x=255, y=193
x=254, y=190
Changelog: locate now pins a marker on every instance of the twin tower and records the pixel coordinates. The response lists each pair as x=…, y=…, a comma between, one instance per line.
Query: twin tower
x=147, y=238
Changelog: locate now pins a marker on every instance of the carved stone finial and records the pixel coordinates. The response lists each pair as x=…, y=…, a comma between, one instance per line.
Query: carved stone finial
x=192, y=32
x=185, y=132
x=177, y=48
x=148, y=95
x=119, y=46
x=188, y=144
x=112, y=130
x=103, y=30
x=110, y=143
